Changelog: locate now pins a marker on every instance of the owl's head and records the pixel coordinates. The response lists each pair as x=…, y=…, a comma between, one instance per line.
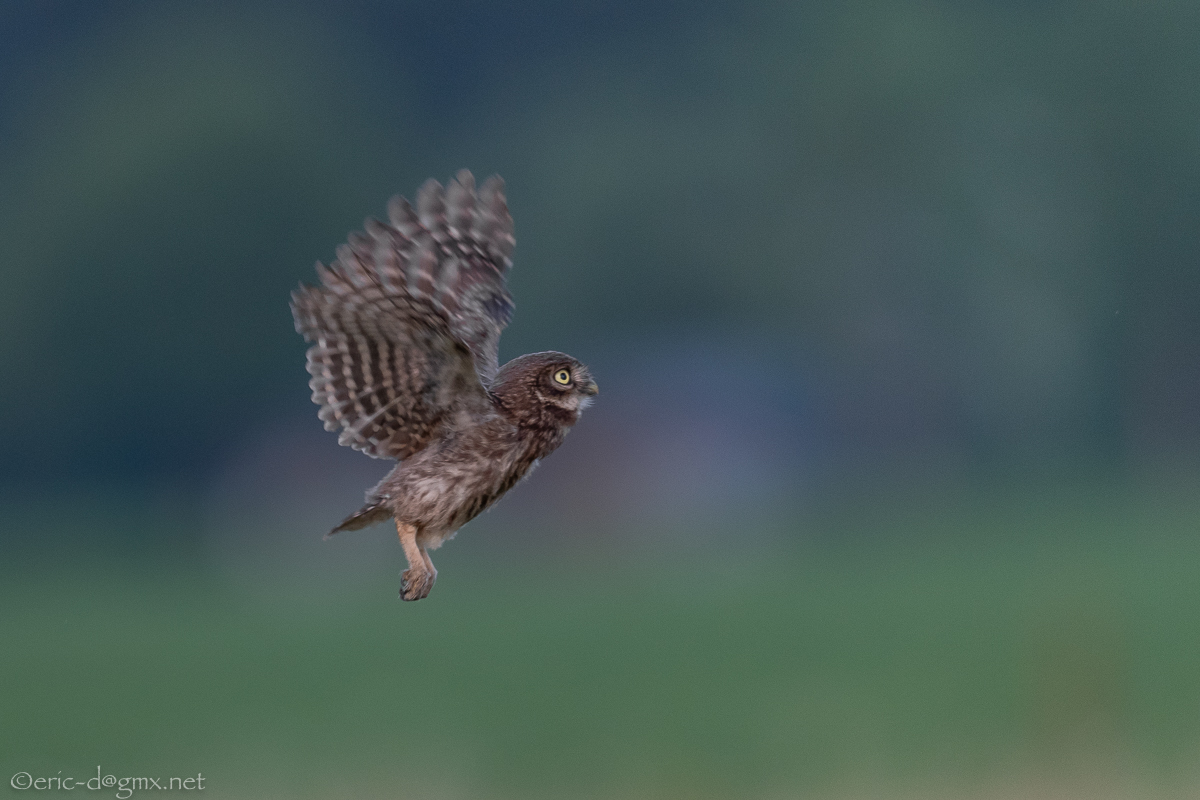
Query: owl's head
x=544, y=389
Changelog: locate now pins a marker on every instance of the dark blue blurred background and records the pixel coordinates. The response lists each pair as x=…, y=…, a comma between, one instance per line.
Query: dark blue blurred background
x=852, y=275
x=958, y=236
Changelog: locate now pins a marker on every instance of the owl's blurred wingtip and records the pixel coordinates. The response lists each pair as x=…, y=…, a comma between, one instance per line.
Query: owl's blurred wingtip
x=364, y=517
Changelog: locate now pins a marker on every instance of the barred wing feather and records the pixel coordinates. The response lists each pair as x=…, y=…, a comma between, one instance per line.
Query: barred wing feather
x=406, y=321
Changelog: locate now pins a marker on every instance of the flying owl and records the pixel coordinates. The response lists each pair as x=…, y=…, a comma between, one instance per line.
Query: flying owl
x=405, y=327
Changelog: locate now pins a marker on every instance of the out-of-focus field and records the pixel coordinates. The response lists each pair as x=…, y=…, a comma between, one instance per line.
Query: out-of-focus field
x=1033, y=648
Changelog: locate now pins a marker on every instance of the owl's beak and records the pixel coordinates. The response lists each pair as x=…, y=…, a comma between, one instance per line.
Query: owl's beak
x=591, y=389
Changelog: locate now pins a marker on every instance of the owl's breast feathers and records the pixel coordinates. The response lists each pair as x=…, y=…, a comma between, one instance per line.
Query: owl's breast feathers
x=443, y=487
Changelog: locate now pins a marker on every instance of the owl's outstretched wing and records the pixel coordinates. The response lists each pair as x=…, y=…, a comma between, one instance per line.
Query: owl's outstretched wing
x=406, y=322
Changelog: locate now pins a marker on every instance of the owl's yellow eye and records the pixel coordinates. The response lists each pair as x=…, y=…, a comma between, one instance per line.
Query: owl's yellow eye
x=562, y=377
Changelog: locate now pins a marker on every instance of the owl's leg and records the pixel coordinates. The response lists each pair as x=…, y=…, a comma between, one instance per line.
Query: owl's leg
x=417, y=580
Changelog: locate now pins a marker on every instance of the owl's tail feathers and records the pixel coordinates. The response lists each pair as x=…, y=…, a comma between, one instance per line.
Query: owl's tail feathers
x=365, y=516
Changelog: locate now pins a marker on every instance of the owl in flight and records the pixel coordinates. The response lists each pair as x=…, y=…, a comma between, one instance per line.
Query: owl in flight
x=405, y=327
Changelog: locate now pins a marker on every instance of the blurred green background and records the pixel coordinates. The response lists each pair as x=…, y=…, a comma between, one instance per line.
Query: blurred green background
x=890, y=492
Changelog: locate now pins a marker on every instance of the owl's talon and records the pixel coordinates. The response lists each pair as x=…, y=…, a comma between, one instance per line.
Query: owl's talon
x=415, y=585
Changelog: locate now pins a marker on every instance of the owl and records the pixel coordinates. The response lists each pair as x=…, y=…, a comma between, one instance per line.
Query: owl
x=405, y=329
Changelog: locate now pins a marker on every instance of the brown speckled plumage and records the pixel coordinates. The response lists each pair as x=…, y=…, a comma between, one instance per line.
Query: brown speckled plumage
x=405, y=328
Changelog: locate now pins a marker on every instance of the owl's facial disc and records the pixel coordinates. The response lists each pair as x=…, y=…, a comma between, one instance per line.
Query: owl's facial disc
x=571, y=387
